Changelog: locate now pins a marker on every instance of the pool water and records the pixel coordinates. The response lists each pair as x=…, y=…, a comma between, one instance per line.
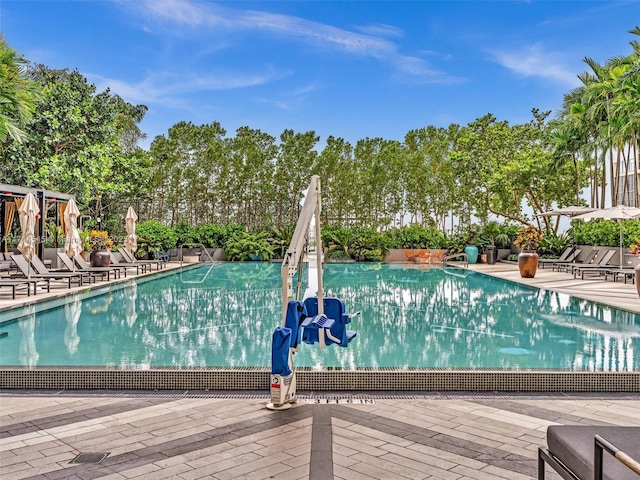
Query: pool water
x=224, y=315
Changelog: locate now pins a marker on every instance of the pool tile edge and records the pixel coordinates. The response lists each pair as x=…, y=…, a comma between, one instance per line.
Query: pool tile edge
x=321, y=380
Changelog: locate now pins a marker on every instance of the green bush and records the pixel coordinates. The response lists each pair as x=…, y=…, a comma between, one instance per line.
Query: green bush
x=185, y=233
x=414, y=236
x=248, y=246
x=215, y=236
x=157, y=234
x=606, y=233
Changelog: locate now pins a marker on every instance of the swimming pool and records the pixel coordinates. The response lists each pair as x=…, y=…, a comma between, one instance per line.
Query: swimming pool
x=224, y=315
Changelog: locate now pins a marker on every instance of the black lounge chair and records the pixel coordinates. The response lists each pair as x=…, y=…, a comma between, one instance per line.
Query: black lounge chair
x=130, y=258
x=576, y=452
x=95, y=271
x=626, y=273
x=37, y=270
x=589, y=258
x=16, y=283
x=140, y=267
x=568, y=255
x=595, y=268
x=84, y=265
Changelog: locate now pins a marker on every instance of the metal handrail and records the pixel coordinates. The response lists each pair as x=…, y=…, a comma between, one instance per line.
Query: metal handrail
x=211, y=261
x=456, y=255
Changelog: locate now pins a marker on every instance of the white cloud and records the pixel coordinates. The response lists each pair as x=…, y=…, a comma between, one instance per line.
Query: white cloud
x=380, y=29
x=166, y=89
x=194, y=17
x=533, y=61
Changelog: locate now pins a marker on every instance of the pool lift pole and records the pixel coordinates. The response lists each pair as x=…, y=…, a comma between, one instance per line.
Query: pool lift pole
x=295, y=317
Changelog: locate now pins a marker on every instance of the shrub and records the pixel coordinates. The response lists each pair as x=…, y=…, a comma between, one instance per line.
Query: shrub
x=248, y=246
x=157, y=234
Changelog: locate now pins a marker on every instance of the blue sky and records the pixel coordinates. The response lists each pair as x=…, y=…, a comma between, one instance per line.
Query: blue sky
x=342, y=68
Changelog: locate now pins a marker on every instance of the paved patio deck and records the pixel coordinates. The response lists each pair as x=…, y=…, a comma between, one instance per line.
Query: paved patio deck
x=191, y=437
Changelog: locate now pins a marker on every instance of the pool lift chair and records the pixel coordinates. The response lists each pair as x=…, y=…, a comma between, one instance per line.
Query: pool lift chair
x=316, y=320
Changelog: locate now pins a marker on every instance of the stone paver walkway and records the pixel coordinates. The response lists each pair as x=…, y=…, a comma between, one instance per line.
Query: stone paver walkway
x=172, y=436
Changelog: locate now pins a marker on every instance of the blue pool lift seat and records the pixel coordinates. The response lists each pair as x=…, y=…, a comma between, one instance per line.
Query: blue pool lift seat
x=296, y=315
x=334, y=310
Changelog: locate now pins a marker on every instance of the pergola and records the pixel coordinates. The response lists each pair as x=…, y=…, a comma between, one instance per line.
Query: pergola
x=11, y=197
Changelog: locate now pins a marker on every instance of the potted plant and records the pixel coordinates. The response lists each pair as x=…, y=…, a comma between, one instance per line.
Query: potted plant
x=471, y=249
x=100, y=246
x=495, y=236
x=528, y=240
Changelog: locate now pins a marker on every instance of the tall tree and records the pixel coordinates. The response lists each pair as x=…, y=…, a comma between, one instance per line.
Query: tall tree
x=18, y=94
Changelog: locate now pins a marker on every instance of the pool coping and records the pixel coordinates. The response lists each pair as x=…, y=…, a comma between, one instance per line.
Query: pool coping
x=330, y=379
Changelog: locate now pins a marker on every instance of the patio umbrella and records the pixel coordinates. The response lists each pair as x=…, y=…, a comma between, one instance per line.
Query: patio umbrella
x=571, y=211
x=621, y=212
x=28, y=211
x=131, y=242
x=73, y=245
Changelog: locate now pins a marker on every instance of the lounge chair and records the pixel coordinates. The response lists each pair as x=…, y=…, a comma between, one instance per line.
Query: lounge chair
x=37, y=270
x=569, y=254
x=84, y=265
x=577, y=452
x=627, y=274
x=102, y=271
x=130, y=258
x=16, y=283
x=595, y=268
x=591, y=257
x=140, y=267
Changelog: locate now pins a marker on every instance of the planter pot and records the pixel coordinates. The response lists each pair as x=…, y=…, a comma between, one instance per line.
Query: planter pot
x=492, y=256
x=483, y=258
x=100, y=258
x=472, y=253
x=528, y=264
x=86, y=256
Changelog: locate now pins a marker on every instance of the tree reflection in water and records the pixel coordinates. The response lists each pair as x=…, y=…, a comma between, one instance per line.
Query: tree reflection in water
x=411, y=317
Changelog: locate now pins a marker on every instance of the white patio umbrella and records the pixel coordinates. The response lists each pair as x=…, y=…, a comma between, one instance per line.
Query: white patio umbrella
x=73, y=244
x=131, y=242
x=28, y=211
x=619, y=213
x=571, y=211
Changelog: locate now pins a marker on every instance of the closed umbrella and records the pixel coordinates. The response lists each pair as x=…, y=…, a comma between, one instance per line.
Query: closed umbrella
x=621, y=212
x=73, y=244
x=28, y=211
x=131, y=242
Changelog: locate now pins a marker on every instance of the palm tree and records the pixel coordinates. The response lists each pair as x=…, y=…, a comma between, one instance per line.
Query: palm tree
x=18, y=94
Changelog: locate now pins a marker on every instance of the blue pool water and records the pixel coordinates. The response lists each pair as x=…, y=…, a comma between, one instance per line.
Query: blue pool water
x=224, y=315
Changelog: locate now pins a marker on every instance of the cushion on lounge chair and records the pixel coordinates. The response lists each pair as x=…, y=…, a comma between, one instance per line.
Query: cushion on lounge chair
x=574, y=447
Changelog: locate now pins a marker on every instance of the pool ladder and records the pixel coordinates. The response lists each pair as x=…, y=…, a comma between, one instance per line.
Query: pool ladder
x=211, y=261
x=455, y=269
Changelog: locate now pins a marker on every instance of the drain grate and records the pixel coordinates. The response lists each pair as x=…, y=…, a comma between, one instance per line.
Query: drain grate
x=91, y=457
